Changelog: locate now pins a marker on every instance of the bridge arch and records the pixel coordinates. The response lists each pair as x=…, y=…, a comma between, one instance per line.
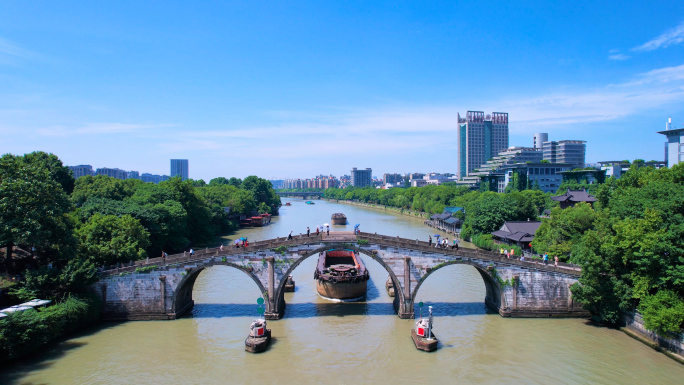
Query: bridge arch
x=280, y=290
x=182, y=298
x=494, y=297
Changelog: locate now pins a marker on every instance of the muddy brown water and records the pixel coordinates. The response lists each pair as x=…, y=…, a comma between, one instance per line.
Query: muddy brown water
x=340, y=343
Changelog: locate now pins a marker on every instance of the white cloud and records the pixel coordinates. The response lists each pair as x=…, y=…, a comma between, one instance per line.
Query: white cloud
x=652, y=89
x=99, y=128
x=670, y=37
x=9, y=52
x=619, y=56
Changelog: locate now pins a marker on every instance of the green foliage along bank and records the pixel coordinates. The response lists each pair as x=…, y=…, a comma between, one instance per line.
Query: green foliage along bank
x=632, y=256
x=26, y=332
x=56, y=231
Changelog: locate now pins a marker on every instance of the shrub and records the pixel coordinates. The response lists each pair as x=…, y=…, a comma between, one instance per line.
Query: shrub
x=145, y=269
x=25, y=332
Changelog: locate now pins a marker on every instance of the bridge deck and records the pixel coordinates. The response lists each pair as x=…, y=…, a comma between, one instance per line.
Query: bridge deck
x=343, y=237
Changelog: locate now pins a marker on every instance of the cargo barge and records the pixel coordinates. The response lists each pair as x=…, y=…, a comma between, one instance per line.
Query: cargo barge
x=339, y=219
x=341, y=275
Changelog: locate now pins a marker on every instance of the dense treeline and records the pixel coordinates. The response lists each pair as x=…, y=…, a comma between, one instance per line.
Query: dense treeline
x=486, y=211
x=55, y=231
x=632, y=255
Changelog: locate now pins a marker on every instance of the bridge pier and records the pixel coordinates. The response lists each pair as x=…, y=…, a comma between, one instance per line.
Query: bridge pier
x=272, y=309
x=406, y=305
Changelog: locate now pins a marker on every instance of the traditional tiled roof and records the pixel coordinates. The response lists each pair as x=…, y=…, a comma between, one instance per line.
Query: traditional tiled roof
x=575, y=196
x=453, y=221
x=440, y=216
x=518, y=231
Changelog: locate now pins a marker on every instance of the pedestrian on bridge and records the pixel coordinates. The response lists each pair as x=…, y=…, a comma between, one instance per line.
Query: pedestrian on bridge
x=221, y=247
x=327, y=229
x=546, y=259
x=555, y=258
x=430, y=240
x=289, y=236
x=192, y=252
x=308, y=231
x=317, y=233
x=512, y=255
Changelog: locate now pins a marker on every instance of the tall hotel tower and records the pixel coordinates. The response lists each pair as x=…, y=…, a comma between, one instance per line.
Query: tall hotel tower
x=480, y=138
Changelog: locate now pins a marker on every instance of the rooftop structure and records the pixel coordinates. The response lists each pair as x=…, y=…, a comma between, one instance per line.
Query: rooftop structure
x=674, y=147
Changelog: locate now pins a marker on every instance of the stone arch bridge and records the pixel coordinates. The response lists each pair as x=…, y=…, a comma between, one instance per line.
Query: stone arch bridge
x=162, y=288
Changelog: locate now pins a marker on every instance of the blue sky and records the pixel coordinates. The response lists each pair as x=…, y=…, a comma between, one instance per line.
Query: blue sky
x=295, y=89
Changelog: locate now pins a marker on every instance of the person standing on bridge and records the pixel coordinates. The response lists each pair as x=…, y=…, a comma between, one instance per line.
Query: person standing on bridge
x=317, y=233
x=555, y=259
x=546, y=259
x=221, y=247
x=327, y=230
x=430, y=240
x=289, y=236
x=192, y=252
x=308, y=231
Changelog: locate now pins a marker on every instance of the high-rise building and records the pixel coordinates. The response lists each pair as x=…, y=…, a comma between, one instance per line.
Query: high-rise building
x=565, y=151
x=392, y=178
x=179, y=167
x=480, y=138
x=674, y=147
x=81, y=170
x=132, y=175
x=539, y=139
x=113, y=172
x=361, y=178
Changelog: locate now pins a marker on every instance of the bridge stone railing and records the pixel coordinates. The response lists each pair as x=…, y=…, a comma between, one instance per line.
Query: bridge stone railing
x=337, y=237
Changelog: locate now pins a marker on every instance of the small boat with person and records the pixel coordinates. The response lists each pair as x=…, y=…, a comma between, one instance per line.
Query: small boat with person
x=259, y=337
x=339, y=219
x=422, y=334
x=341, y=275
x=310, y=203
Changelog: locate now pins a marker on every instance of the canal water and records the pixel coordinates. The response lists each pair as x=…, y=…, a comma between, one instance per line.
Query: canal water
x=340, y=343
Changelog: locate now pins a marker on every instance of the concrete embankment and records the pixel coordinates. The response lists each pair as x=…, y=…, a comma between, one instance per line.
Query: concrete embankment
x=671, y=345
x=411, y=213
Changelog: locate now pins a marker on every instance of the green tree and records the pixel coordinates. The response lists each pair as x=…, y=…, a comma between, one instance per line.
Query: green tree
x=558, y=234
x=107, y=239
x=103, y=186
x=34, y=209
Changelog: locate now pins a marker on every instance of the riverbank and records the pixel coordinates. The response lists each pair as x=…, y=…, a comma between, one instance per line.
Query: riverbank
x=411, y=213
x=24, y=333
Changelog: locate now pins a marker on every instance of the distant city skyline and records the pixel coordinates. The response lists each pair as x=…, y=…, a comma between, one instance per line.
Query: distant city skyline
x=294, y=90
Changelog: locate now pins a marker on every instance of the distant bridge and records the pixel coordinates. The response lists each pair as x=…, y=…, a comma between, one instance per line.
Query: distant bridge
x=304, y=195
x=513, y=288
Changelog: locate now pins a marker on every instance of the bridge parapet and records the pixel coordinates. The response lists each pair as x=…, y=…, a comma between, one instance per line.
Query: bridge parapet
x=514, y=288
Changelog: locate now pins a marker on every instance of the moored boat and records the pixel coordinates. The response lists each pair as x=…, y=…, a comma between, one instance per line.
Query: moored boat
x=310, y=203
x=259, y=337
x=341, y=275
x=389, y=286
x=289, y=284
x=422, y=334
x=288, y=204
x=339, y=219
